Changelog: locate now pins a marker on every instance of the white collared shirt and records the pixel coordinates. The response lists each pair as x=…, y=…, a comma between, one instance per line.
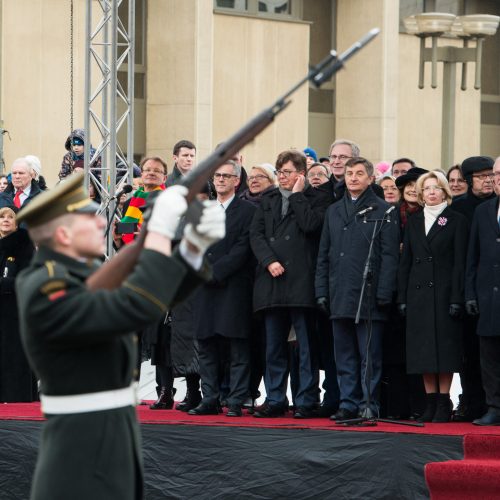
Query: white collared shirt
x=227, y=202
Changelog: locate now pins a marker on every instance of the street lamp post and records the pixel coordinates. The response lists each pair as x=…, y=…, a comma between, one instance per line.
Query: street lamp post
x=435, y=25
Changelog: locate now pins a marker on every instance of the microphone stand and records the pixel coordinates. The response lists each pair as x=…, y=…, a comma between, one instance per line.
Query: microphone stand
x=368, y=418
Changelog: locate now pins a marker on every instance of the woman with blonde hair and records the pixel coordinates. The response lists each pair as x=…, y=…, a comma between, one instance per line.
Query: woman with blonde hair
x=17, y=383
x=431, y=292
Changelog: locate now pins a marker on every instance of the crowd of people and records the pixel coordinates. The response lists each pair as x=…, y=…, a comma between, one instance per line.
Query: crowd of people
x=386, y=277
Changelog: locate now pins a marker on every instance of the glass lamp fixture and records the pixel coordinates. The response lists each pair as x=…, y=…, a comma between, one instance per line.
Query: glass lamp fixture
x=434, y=23
x=478, y=25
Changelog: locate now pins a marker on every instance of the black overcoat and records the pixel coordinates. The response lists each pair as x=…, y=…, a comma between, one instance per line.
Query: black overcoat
x=293, y=242
x=223, y=306
x=483, y=267
x=17, y=383
x=343, y=250
x=430, y=278
x=80, y=342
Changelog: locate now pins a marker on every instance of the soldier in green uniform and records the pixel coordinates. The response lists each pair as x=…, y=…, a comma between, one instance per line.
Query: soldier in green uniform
x=78, y=341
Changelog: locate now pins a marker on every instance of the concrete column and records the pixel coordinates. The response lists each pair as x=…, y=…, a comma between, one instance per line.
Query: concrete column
x=179, y=75
x=366, y=98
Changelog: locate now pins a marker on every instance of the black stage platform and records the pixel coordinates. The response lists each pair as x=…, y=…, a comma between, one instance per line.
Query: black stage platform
x=216, y=462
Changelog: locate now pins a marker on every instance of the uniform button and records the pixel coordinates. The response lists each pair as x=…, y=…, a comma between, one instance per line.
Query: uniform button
x=495, y=289
x=271, y=238
x=287, y=237
x=345, y=228
x=136, y=373
x=431, y=284
x=417, y=260
x=429, y=259
x=417, y=287
x=498, y=240
x=209, y=254
x=341, y=254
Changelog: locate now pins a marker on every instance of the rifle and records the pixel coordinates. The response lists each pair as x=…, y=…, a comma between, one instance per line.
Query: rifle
x=112, y=273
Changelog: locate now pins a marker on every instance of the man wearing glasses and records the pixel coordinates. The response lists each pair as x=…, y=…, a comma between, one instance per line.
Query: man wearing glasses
x=284, y=237
x=478, y=172
x=482, y=295
x=340, y=152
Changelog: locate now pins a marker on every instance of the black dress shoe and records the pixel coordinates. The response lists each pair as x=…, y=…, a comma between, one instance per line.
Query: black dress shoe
x=205, y=409
x=326, y=411
x=165, y=400
x=270, y=411
x=492, y=417
x=305, y=412
x=344, y=414
x=234, y=411
x=189, y=402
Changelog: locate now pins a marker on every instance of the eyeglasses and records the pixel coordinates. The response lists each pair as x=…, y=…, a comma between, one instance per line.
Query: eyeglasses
x=153, y=171
x=286, y=173
x=432, y=188
x=339, y=157
x=257, y=178
x=485, y=177
x=226, y=177
x=311, y=175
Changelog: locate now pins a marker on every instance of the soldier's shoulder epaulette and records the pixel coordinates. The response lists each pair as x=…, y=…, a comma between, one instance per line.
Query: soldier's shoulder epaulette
x=49, y=278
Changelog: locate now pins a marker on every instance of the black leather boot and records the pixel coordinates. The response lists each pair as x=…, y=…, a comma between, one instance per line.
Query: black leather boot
x=444, y=409
x=165, y=400
x=192, y=400
x=430, y=407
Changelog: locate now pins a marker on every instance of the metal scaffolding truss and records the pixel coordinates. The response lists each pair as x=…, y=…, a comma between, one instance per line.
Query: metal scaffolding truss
x=109, y=106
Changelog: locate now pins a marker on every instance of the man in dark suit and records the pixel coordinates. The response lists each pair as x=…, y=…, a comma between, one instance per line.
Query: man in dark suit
x=23, y=187
x=223, y=307
x=477, y=172
x=482, y=295
x=284, y=238
x=78, y=340
x=343, y=250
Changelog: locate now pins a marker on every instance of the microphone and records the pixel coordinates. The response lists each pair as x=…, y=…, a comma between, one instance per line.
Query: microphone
x=388, y=211
x=125, y=190
x=367, y=209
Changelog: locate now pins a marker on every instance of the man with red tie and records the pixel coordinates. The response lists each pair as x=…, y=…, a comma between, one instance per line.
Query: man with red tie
x=22, y=188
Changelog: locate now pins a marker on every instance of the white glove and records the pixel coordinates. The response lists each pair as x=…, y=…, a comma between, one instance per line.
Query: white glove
x=210, y=229
x=169, y=206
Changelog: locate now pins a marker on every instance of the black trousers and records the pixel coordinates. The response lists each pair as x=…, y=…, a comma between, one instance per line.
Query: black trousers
x=211, y=359
x=490, y=370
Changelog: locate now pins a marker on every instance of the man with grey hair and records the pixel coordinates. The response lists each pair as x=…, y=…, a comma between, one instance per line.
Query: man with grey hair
x=340, y=152
x=22, y=188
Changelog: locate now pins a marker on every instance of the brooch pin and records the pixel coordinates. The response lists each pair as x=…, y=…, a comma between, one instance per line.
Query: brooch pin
x=442, y=221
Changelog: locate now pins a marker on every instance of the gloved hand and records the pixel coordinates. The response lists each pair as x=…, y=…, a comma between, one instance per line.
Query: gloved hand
x=402, y=310
x=323, y=306
x=169, y=206
x=472, y=308
x=455, y=311
x=210, y=229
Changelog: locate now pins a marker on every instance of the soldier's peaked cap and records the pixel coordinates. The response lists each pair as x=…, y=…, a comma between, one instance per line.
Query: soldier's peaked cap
x=68, y=197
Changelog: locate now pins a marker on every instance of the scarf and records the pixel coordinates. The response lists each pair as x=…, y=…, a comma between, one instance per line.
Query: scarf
x=135, y=209
x=405, y=211
x=431, y=214
x=284, y=201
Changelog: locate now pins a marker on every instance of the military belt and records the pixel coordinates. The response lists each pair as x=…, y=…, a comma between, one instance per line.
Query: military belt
x=92, y=401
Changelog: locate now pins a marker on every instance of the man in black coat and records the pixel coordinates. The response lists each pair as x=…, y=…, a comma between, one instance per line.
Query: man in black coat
x=343, y=251
x=184, y=156
x=223, y=307
x=482, y=295
x=23, y=188
x=284, y=237
x=477, y=171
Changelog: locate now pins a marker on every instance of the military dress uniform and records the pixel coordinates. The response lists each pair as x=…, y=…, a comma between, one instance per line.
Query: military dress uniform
x=79, y=345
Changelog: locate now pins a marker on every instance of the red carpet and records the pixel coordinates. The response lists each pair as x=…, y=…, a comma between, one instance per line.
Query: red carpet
x=31, y=411
x=477, y=476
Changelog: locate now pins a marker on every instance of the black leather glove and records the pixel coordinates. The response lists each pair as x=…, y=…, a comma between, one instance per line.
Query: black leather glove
x=402, y=310
x=456, y=311
x=472, y=308
x=323, y=306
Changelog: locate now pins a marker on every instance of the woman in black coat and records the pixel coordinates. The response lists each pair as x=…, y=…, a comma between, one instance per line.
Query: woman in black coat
x=431, y=292
x=17, y=383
